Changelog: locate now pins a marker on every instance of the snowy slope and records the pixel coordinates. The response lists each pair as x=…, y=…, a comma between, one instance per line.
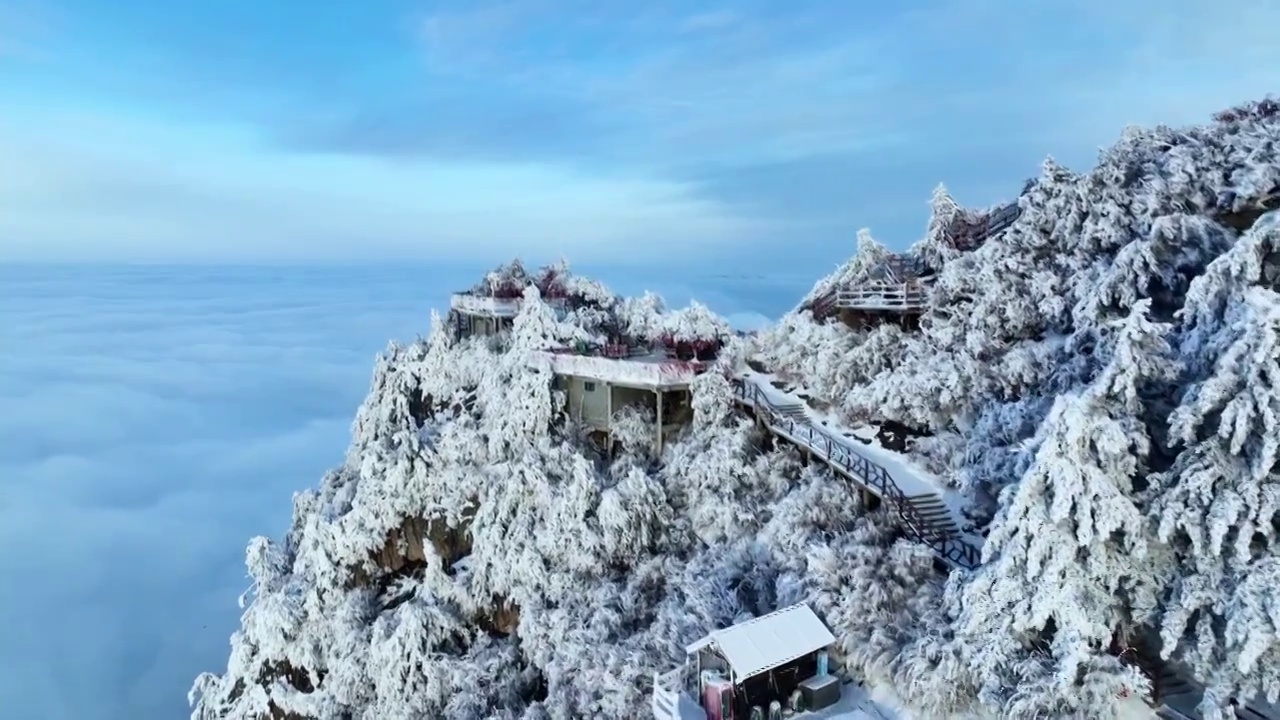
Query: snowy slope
x=1096, y=382
x=1094, y=388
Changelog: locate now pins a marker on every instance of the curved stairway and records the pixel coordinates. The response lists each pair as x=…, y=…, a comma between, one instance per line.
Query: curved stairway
x=925, y=517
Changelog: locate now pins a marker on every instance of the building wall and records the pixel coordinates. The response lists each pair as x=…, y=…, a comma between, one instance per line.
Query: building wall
x=634, y=397
x=588, y=401
x=477, y=325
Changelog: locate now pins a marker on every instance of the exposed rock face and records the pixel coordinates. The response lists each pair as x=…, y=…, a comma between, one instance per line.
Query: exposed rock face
x=1242, y=213
x=503, y=620
x=405, y=546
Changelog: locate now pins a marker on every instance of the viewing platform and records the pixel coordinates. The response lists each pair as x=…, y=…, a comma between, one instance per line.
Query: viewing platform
x=911, y=296
x=493, y=306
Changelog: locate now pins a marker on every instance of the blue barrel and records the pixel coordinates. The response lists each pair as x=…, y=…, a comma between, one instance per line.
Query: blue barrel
x=822, y=663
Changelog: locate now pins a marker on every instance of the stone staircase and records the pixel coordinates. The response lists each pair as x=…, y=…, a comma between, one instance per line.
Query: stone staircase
x=938, y=522
x=795, y=411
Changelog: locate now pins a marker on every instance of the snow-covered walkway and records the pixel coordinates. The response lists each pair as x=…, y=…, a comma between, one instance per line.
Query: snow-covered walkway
x=930, y=509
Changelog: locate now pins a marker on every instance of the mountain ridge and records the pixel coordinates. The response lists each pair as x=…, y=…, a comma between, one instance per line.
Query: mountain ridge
x=1096, y=380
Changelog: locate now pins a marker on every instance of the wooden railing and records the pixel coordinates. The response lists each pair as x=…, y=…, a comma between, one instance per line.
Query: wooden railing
x=872, y=476
x=821, y=306
x=878, y=295
x=666, y=694
x=967, y=235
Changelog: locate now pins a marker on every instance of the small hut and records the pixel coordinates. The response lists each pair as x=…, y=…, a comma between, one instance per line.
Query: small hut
x=753, y=669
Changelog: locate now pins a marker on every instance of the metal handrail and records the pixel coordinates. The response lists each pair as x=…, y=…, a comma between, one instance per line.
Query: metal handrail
x=873, y=476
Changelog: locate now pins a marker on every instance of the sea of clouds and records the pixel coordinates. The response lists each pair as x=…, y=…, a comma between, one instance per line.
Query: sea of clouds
x=153, y=419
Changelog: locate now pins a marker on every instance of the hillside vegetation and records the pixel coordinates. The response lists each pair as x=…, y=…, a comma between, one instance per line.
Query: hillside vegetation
x=1099, y=382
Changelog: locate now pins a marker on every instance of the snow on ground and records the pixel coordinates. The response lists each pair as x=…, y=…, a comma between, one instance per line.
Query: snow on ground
x=909, y=477
x=857, y=704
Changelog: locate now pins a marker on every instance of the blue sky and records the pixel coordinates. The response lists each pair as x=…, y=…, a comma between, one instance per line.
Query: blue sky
x=753, y=131
x=155, y=419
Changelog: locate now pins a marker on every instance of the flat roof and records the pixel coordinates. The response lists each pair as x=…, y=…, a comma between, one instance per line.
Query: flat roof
x=768, y=641
x=651, y=372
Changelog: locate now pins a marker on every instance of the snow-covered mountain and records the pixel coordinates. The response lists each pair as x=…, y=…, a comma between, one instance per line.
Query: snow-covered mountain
x=1026, y=469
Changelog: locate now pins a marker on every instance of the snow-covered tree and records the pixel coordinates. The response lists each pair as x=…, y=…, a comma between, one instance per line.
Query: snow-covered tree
x=1097, y=379
x=1070, y=563
x=1219, y=502
x=869, y=255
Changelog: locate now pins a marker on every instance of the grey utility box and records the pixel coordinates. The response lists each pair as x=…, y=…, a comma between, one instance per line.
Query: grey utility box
x=820, y=692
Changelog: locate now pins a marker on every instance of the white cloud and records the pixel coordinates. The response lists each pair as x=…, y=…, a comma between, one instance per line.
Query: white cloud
x=152, y=424
x=155, y=418
x=761, y=84
x=89, y=188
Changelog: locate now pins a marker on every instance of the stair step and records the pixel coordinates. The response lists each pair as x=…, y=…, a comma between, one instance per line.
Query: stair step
x=1248, y=713
x=928, y=512
x=938, y=528
x=925, y=500
x=931, y=515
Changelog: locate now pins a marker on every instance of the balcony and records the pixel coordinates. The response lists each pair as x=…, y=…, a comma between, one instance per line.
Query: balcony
x=505, y=305
x=911, y=296
x=625, y=365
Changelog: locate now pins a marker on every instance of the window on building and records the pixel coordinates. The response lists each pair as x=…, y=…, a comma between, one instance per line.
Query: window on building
x=589, y=386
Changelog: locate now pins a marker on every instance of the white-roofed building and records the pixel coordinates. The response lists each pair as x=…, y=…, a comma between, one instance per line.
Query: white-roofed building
x=775, y=660
x=768, y=641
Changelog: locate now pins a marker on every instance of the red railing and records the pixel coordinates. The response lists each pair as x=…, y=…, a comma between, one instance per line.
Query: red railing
x=862, y=471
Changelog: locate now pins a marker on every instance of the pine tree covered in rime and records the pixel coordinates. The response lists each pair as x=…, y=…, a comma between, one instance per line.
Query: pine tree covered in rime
x=874, y=592
x=1219, y=503
x=642, y=317
x=711, y=474
x=937, y=248
x=695, y=323
x=799, y=348
x=869, y=256
x=1070, y=560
